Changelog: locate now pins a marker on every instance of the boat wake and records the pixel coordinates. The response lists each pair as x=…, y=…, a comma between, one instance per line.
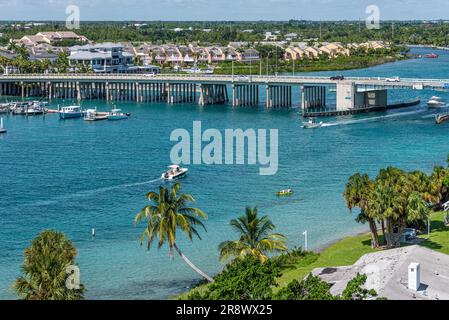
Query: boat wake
x=394, y=115
x=85, y=193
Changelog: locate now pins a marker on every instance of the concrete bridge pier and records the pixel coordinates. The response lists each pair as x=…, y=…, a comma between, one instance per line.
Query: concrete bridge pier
x=313, y=97
x=213, y=94
x=279, y=96
x=245, y=95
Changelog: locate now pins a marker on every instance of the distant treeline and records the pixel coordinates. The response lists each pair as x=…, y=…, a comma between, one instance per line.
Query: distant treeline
x=222, y=32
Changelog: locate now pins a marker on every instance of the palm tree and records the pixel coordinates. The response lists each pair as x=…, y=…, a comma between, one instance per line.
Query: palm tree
x=169, y=213
x=356, y=194
x=255, y=238
x=44, y=269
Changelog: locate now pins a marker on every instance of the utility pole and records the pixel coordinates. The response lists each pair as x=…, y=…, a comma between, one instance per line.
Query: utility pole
x=321, y=32
x=293, y=61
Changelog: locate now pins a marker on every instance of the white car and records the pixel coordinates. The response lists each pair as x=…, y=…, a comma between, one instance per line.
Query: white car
x=394, y=79
x=243, y=78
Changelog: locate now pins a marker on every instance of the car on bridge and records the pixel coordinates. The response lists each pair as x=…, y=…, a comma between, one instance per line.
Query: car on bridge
x=394, y=79
x=339, y=77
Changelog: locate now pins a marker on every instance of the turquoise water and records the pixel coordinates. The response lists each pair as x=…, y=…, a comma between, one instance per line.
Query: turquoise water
x=74, y=176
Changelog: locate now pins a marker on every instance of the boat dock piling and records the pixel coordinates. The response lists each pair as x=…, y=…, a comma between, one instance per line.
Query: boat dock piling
x=2, y=130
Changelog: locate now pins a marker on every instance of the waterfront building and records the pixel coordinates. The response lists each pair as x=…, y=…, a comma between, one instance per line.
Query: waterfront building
x=102, y=58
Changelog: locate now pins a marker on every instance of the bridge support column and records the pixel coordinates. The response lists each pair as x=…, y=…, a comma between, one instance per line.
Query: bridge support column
x=313, y=97
x=346, y=95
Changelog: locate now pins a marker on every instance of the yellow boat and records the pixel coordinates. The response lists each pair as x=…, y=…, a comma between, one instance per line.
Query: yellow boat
x=286, y=192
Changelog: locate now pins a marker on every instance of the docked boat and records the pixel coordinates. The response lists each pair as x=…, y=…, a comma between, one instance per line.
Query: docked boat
x=312, y=124
x=70, y=112
x=286, y=192
x=435, y=102
x=117, y=114
x=93, y=115
x=174, y=172
x=4, y=108
x=35, y=108
x=20, y=108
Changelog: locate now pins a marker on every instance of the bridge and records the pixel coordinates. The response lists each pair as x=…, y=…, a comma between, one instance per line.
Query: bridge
x=351, y=93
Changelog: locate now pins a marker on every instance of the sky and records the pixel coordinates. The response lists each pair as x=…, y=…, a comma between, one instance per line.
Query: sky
x=145, y=10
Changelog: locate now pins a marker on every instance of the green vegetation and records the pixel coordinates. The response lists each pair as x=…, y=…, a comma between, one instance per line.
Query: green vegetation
x=168, y=213
x=255, y=238
x=396, y=200
x=222, y=32
x=355, y=61
x=44, y=269
x=439, y=236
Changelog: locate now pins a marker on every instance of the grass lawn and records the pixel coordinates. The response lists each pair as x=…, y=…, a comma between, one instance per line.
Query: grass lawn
x=348, y=250
x=342, y=253
x=439, y=234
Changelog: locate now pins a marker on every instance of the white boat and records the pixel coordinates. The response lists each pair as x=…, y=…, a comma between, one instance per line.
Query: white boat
x=70, y=112
x=174, y=172
x=312, y=124
x=117, y=114
x=435, y=102
x=93, y=115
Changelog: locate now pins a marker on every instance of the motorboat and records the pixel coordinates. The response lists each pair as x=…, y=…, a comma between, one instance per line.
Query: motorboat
x=286, y=192
x=435, y=102
x=431, y=55
x=312, y=124
x=70, y=112
x=174, y=172
x=117, y=114
x=35, y=108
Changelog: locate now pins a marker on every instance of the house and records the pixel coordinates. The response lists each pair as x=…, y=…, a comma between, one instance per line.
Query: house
x=269, y=36
x=312, y=52
x=173, y=55
x=187, y=55
x=250, y=55
x=102, y=58
x=334, y=49
x=51, y=38
x=216, y=54
x=291, y=36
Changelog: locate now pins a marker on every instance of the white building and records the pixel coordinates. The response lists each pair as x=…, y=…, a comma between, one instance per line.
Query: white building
x=103, y=57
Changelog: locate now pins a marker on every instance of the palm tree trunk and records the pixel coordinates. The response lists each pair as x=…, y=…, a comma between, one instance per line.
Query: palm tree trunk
x=382, y=222
x=374, y=236
x=191, y=265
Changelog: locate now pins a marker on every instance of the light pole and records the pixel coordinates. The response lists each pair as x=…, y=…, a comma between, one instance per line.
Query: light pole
x=232, y=62
x=305, y=234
